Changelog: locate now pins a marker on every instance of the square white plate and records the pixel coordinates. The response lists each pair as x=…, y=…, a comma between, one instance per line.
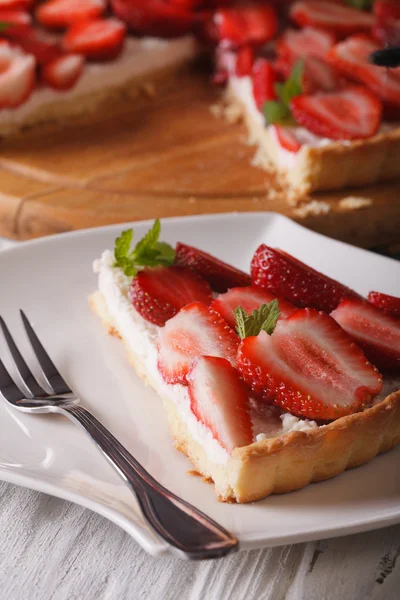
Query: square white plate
x=51, y=279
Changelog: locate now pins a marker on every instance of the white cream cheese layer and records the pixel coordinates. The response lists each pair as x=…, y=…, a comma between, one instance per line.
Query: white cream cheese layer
x=142, y=336
x=140, y=56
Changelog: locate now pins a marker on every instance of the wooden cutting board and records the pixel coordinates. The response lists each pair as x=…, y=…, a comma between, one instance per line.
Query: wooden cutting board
x=159, y=155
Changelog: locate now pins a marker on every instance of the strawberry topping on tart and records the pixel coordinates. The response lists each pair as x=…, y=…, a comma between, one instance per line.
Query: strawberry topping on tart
x=264, y=78
x=98, y=39
x=63, y=72
x=219, y=274
x=284, y=275
x=17, y=75
x=195, y=331
x=377, y=333
x=219, y=399
x=309, y=367
x=246, y=24
x=286, y=138
x=64, y=13
x=19, y=22
x=154, y=17
x=337, y=18
x=299, y=43
x=389, y=304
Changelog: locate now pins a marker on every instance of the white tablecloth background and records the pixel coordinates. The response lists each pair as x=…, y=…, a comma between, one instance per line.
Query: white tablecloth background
x=51, y=549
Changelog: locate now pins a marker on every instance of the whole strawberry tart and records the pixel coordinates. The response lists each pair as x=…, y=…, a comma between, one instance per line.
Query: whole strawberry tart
x=271, y=380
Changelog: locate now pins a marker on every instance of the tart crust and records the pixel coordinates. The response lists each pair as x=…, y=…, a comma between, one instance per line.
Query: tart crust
x=285, y=463
x=331, y=167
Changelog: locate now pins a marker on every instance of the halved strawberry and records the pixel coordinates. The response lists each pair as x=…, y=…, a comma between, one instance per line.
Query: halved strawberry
x=43, y=48
x=219, y=400
x=158, y=293
x=63, y=72
x=295, y=44
x=195, y=331
x=18, y=22
x=286, y=138
x=250, y=298
x=17, y=75
x=340, y=19
x=154, y=17
x=389, y=304
x=244, y=61
x=284, y=275
x=64, y=13
x=310, y=367
x=264, y=78
x=99, y=39
x=219, y=274
x=348, y=114
x=16, y=4
x=318, y=74
x=375, y=332
x=246, y=24
x=351, y=57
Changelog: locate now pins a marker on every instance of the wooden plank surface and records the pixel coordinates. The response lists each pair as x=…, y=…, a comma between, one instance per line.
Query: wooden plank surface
x=161, y=155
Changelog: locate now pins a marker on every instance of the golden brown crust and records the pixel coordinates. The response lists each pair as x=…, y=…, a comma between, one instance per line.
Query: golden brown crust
x=288, y=462
x=334, y=166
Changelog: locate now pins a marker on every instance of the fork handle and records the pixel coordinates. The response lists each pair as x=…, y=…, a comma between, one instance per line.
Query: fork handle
x=185, y=528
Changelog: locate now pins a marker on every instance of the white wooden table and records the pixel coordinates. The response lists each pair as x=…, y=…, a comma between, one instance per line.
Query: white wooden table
x=51, y=549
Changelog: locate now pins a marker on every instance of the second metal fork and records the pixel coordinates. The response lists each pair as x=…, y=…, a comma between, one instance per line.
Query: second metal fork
x=185, y=528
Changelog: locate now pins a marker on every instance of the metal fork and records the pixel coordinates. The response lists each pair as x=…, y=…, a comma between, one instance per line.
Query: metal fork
x=189, y=531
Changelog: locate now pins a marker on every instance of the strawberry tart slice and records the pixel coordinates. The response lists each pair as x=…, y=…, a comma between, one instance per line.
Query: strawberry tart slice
x=61, y=58
x=270, y=380
x=319, y=111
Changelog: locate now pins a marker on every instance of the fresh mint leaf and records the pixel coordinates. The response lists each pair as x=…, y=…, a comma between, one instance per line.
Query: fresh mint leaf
x=148, y=252
x=261, y=319
x=278, y=111
x=275, y=112
x=4, y=26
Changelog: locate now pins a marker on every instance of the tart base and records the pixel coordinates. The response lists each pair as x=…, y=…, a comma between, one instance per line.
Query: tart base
x=285, y=463
x=331, y=167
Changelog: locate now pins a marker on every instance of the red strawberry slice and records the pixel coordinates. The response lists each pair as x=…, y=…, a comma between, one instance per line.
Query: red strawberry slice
x=18, y=22
x=375, y=332
x=263, y=78
x=158, y=293
x=250, y=298
x=286, y=138
x=195, y=331
x=99, y=39
x=43, y=48
x=284, y=275
x=389, y=304
x=295, y=44
x=17, y=75
x=244, y=61
x=63, y=13
x=219, y=274
x=348, y=114
x=351, y=58
x=16, y=4
x=337, y=18
x=247, y=24
x=318, y=74
x=154, y=17
x=219, y=400
x=387, y=27
x=62, y=73
x=310, y=367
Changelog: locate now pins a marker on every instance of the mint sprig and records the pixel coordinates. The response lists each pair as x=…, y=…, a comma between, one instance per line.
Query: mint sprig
x=278, y=111
x=148, y=252
x=261, y=319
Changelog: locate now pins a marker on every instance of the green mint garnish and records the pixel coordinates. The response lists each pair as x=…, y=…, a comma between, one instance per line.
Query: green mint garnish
x=4, y=26
x=261, y=319
x=148, y=252
x=278, y=111
x=361, y=4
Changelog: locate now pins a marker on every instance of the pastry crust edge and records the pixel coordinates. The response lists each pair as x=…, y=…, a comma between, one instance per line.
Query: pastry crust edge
x=285, y=463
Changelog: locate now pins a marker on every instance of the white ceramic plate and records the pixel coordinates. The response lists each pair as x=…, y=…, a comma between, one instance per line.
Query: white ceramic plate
x=51, y=280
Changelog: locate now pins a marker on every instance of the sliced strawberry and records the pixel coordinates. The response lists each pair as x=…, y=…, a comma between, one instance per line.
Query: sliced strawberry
x=219, y=274
x=40, y=46
x=375, y=332
x=263, y=78
x=351, y=57
x=286, y=138
x=389, y=304
x=244, y=61
x=250, y=298
x=246, y=24
x=386, y=9
x=310, y=367
x=337, y=18
x=219, y=400
x=295, y=44
x=99, y=39
x=158, y=293
x=195, y=331
x=17, y=76
x=284, y=275
x=62, y=73
x=18, y=22
x=154, y=17
x=16, y=4
x=348, y=114
x=64, y=13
